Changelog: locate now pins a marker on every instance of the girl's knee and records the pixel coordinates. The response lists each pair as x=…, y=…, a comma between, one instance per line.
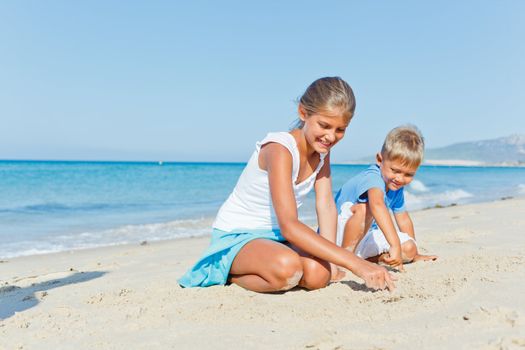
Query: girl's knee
x=408, y=250
x=316, y=274
x=287, y=270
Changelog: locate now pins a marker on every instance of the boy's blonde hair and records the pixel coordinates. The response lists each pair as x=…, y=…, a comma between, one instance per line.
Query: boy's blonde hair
x=327, y=95
x=404, y=143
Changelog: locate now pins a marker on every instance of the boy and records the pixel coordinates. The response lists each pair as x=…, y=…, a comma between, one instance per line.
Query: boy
x=363, y=203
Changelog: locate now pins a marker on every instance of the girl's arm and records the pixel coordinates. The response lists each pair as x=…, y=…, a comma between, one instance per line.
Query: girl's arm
x=277, y=161
x=324, y=202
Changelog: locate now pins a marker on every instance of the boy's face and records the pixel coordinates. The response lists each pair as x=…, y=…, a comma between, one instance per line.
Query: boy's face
x=395, y=173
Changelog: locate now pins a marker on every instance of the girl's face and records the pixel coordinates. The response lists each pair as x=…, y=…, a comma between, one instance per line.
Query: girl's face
x=322, y=131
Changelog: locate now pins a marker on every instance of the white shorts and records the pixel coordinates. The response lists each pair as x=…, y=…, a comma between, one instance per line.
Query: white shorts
x=373, y=243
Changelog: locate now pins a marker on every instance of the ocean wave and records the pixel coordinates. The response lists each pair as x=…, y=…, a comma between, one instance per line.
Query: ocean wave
x=127, y=234
x=418, y=186
x=429, y=199
x=58, y=207
x=521, y=188
x=30, y=248
x=53, y=207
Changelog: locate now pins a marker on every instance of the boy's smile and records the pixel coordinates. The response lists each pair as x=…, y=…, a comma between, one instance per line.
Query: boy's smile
x=396, y=173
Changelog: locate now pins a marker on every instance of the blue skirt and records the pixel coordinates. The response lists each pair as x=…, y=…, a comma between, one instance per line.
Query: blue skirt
x=214, y=266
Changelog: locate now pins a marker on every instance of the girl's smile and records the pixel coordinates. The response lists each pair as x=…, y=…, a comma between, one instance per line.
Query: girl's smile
x=323, y=131
x=325, y=144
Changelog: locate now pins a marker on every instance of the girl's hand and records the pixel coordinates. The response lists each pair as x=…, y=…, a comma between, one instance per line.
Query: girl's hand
x=375, y=276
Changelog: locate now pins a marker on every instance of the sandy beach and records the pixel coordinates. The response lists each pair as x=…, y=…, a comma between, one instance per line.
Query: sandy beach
x=127, y=297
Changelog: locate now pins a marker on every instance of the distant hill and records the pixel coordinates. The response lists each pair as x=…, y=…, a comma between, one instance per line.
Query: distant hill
x=509, y=151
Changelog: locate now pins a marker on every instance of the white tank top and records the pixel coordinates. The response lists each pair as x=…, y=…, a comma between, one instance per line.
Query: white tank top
x=249, y=206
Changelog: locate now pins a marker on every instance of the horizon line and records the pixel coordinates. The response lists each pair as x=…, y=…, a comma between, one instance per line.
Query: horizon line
x=162, y=162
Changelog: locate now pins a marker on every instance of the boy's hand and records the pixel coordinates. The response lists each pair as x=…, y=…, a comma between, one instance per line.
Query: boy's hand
x=394, y=258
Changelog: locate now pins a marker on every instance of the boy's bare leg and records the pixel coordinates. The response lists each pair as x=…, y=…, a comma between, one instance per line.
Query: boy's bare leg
x=378, y=258
x=409, y=253
x=420, y=257
x=356, y=227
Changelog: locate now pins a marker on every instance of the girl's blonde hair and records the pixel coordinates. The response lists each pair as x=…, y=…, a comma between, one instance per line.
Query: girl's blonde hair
x=404, y=143
x=327, y=95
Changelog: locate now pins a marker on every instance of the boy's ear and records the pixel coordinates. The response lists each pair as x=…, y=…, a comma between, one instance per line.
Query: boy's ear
x=379, y=159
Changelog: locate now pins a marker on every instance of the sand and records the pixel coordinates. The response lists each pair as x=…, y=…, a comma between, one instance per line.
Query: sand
x=127, y=297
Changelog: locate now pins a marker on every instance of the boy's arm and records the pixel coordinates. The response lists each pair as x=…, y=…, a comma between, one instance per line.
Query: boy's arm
x=384, y=221
x=404, y=223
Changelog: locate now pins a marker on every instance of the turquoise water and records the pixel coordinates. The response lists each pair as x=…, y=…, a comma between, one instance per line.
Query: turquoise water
x=54, y=206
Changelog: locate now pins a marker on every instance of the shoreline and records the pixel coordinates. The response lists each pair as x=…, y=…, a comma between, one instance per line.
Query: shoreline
x=123, y=297
x=206, y=235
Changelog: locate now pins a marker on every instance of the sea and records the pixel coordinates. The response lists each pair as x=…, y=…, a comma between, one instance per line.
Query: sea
x=53, y=206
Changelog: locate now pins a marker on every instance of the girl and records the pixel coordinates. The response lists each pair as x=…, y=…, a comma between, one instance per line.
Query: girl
x=258, y=241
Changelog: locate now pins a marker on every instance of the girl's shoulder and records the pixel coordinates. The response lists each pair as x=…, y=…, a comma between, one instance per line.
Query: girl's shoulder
x=283, y=138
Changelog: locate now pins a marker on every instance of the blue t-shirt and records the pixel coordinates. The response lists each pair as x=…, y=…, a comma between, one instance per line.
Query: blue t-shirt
x=356, y=189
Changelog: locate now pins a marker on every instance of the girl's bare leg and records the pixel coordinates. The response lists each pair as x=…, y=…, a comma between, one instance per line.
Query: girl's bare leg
x=316, y=272
x=337, y=274
x=263, y=265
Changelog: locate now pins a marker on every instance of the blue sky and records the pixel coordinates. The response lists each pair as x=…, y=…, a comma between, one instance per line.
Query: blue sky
x=203, y=80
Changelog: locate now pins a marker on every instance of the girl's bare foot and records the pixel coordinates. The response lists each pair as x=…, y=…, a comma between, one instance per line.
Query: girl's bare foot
x=337, y=273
